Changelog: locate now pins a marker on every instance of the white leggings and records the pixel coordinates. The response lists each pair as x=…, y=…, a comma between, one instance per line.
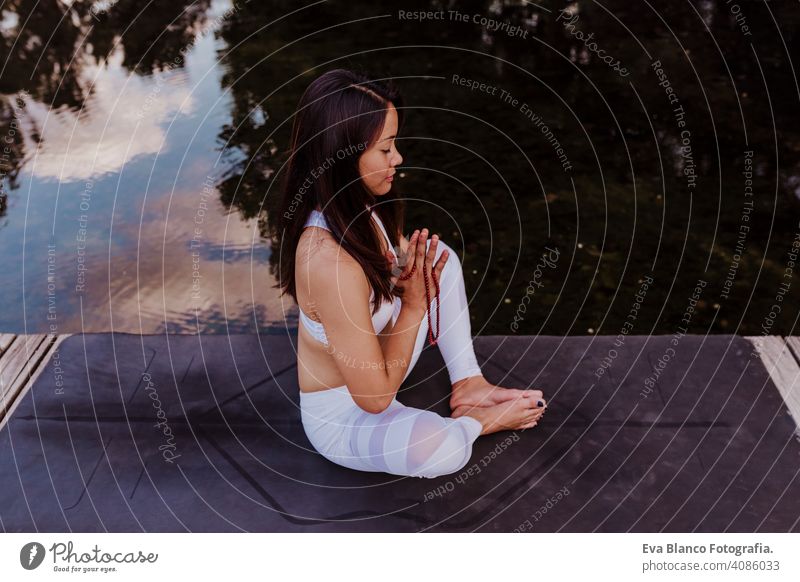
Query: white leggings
x=402, y=440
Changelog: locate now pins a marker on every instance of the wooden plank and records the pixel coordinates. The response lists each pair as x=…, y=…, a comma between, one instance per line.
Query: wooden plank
x=13, y=360
x=13, y=363
x=794, y=344
x=23, y=382
x=5, y=341
x=777, y=357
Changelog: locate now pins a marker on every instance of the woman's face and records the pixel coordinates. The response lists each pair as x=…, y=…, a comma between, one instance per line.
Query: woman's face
x=377, y=164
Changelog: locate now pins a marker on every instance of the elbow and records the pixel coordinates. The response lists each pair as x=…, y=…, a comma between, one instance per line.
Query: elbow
x=373, y=405
x=374, y=400
x=374, y=408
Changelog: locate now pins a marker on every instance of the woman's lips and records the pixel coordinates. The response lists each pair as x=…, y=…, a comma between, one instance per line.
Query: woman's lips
x=390, y=178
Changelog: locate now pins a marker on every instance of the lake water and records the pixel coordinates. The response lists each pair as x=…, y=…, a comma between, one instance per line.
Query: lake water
x=606, y=169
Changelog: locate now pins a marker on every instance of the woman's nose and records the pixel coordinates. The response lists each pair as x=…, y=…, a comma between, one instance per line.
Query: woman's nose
x=398, y=159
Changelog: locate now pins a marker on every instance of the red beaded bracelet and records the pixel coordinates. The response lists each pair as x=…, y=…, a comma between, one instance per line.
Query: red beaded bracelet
x=431, y=338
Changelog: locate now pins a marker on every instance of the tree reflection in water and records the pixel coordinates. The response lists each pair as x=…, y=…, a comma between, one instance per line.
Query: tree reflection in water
x=481, y=170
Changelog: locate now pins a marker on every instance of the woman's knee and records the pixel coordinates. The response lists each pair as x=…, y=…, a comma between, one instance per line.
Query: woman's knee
x=441, y=447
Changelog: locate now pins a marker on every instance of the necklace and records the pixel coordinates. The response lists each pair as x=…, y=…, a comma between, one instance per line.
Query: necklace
x=431, y=339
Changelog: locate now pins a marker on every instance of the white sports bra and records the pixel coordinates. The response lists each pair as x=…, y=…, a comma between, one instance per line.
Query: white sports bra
x=388, y=310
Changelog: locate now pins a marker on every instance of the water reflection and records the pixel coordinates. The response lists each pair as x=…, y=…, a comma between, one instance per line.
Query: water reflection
x=158, y=135
x=125, y=117
x=111, y=186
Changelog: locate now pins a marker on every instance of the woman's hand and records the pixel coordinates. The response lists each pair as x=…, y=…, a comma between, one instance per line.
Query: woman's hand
x=407, y=274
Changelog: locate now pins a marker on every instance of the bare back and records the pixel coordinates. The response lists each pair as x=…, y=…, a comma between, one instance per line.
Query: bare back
x=317, y=369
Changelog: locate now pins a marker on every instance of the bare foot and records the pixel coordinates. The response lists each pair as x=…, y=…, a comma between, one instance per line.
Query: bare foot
x=519, y=413
x=477, y=391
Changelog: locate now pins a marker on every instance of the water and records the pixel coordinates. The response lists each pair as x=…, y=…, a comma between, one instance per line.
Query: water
x=156, y=136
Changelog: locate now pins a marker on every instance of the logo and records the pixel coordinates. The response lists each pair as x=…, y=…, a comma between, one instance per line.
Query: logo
x=31, y=555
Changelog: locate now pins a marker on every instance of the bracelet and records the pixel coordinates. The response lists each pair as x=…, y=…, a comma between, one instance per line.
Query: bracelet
x=432, y=340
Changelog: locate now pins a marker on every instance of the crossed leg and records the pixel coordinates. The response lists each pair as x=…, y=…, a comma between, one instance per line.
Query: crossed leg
x=470, y=388
x=403, y=440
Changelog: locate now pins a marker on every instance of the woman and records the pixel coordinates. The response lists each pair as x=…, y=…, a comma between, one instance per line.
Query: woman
x=363, y=305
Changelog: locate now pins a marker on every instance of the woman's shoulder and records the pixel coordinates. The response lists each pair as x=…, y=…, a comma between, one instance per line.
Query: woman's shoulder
x=330, y=274
x=319, y=256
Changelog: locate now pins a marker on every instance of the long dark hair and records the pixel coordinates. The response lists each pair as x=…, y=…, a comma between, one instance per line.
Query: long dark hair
x=340, y=115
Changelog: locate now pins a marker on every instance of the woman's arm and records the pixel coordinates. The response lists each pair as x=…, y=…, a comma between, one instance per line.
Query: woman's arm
x=343, y=306
x=399, y=345
x=384, y=334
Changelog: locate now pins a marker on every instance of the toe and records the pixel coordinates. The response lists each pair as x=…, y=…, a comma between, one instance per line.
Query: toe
x=537, y=413
x=510, y=394
x=536, y=404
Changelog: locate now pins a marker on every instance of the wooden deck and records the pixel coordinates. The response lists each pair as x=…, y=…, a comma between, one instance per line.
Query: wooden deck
x=781, y=358
x=102, y=431
x=22, y=359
